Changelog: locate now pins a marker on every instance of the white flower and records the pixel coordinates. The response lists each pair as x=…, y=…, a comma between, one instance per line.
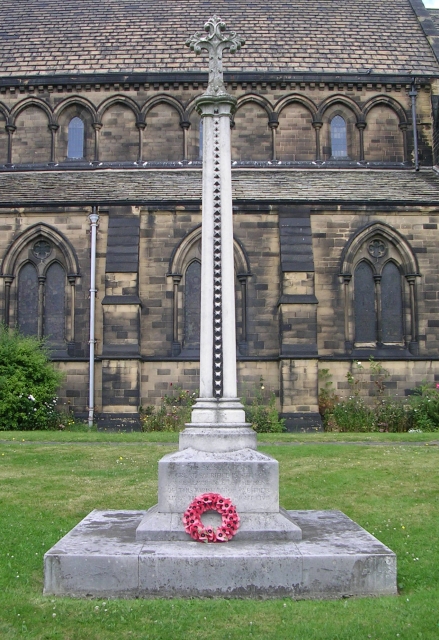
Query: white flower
x=31, y=398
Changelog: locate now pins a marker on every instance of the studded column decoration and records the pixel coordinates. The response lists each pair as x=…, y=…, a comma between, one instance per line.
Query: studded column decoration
x=218, y=405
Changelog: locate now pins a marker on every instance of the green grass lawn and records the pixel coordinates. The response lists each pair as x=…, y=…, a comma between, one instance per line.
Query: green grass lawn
x=49, y=481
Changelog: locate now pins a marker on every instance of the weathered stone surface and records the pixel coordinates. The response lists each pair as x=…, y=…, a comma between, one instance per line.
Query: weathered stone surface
x=159, y=526
x=218, y=438
x=335, y=558
x=249, y=478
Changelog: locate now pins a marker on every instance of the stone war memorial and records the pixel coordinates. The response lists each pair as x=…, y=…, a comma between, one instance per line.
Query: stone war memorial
x=234, y=539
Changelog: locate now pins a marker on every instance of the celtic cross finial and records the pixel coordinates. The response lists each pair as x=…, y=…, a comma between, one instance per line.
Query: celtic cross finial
x=215, y=42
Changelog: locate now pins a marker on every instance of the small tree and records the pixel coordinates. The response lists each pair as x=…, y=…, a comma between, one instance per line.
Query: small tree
x=28, y=383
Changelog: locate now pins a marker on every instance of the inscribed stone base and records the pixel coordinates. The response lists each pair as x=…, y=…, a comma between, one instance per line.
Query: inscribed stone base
x=336, y=558
x=249, y=478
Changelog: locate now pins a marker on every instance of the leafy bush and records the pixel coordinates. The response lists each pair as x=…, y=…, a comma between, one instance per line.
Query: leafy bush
x=173, y=413
x=28, y=383
x=349, y=415
x=327, y=396
x=424, y=404
x=261, y=412
x=392, y=415
x=420, y=412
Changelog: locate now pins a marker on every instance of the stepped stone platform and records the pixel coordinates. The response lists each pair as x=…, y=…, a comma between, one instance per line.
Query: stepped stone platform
x=335, y=558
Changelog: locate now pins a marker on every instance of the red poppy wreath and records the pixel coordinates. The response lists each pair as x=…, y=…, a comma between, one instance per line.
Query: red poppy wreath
x=194, y=526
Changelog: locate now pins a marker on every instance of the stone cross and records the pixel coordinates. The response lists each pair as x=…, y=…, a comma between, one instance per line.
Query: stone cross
x=217, y=450
x=218, y=405
x=215, y=42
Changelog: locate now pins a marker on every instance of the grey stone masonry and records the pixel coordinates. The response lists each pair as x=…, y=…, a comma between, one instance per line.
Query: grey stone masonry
x=336, y=558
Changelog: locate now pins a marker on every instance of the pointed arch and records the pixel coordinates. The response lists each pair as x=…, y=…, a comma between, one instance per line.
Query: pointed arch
x=75, y=138
x=341, y=100
x=179, y=256
x=70, y=108
x=165, y=134
x=32, y=132
x=385, y=136
x=409, y=261
x=296, y=97
x=252, y=137
x=31, y=102
x=350, y=112
x=5, y=135
x=43, y=255
x=389, y=102
x=294, y=136
x=31, y=234
x=378, y=270
x=185, y=254
x=162, y=98
x=75, y=101
x=116, y=130
x=117, y=99
x=4, y=111
x=252, y=97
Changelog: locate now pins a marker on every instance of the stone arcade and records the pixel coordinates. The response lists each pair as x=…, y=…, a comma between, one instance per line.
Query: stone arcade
x=275, y=553
x=97, y=113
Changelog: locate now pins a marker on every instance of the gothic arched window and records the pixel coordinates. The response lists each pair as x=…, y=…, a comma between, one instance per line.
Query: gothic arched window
x=55, y=303
x=192, y=306
x=378, y=305
x=185, y=270
x=339, y=143
x=39, y=271
x=364, y=304
x=75, y=142
x=379, y=272
x=27, y=304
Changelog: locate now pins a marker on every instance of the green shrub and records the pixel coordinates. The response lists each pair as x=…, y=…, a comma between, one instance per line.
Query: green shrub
x=419, y=412
x=262, y=413
x=350, y=415
x=424, y=405
x=392, y=415
x=173, y=413
x=28, y=383
x=327, y=396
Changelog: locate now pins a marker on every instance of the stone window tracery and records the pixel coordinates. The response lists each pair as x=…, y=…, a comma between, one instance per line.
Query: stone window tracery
x=379, y=273
x=39, y=273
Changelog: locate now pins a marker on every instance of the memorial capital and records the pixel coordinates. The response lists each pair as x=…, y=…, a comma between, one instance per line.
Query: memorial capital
x=215, y=41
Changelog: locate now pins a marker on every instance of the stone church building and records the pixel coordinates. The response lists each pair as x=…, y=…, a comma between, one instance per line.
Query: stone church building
x=336, y=193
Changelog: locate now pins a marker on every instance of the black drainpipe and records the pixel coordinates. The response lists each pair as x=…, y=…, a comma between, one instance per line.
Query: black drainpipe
x=413, y=93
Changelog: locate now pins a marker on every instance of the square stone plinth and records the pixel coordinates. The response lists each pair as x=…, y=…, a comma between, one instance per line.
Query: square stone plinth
x=336, y=558
x=249, y=478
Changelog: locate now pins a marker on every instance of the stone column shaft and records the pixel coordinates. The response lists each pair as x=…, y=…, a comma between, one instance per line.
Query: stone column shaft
x=218, y=417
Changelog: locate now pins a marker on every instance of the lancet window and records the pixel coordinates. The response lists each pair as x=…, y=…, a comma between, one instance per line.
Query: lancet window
x=39, y=275
x=339, y=145
x=185, y=270
x=75, y=143
x=379, y=273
